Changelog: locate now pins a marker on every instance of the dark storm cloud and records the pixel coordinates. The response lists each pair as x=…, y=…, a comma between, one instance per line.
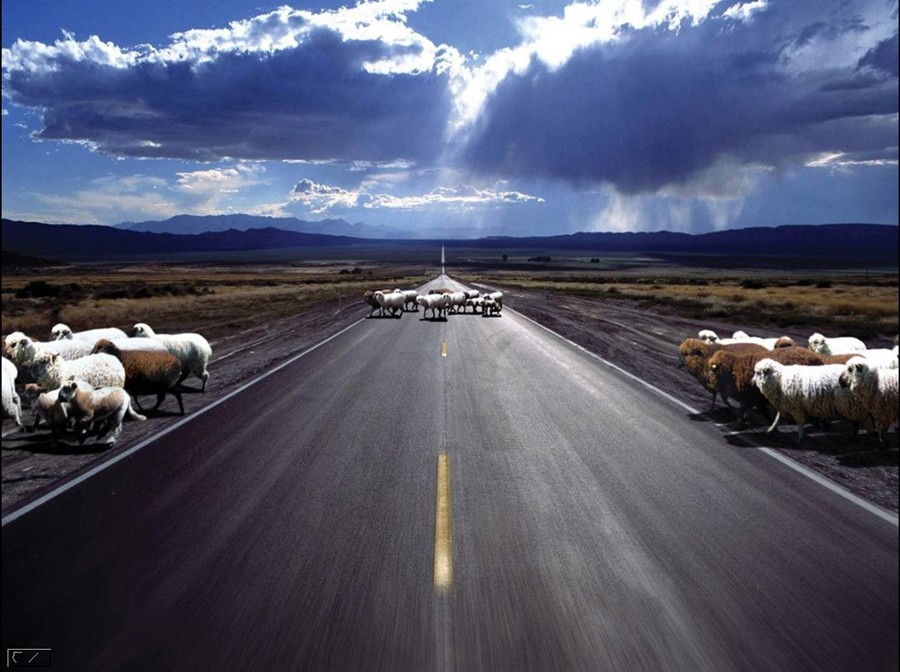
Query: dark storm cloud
x=884, y=57
x=312, y=102
x=660, y=107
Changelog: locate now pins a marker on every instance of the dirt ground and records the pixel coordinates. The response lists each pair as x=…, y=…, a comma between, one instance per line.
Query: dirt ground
x=643, y=342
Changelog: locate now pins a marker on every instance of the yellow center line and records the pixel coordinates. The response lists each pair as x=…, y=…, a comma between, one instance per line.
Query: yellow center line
x=443, y=545
x=443, y=349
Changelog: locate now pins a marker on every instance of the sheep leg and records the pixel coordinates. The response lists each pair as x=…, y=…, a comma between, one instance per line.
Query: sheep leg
x=177, y=395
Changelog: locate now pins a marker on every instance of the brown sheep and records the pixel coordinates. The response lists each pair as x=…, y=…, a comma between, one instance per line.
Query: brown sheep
x=695, y=356
x=147, y=372
x=731, y=374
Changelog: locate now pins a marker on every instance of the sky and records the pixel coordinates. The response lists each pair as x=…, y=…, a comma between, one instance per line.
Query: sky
x=454, y=118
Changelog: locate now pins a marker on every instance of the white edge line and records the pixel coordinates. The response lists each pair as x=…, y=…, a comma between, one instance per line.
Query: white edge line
x=793, y=464
x=18, y=513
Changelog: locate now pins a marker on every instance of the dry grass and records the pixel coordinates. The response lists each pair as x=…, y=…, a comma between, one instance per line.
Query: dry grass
x=212, y=301
x=863, y=305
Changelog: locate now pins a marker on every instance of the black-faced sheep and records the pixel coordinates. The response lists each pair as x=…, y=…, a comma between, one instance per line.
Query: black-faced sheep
x=147, y=372
x=191, y=349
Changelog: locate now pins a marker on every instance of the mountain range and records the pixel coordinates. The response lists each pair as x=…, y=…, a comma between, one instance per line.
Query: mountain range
x=182, y=224
x=866, y=245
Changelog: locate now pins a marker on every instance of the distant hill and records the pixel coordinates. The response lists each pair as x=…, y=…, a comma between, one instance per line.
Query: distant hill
x=66, y=241
x=849, y=244
x=183, y=224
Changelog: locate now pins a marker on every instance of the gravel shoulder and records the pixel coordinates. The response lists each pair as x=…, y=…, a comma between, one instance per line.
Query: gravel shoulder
x=643, y=342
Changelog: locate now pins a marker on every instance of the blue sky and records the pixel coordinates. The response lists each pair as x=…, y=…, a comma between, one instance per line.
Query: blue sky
x=454, y=117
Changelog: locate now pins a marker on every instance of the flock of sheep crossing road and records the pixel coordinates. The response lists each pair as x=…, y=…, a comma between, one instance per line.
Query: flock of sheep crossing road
x=833, y=378
x=90, y=381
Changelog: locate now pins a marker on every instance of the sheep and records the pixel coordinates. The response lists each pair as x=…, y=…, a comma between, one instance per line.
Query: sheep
x=694, y=357
x=12, y=404
x=440, y=290
x=477, y=303
x=63, y=332
x=881, y=358
x=393, y=301
x=105, y=407
x=190, y=348
x=743, y=337
x=436, y=303
x=730, y=373
x=472, y=293
x=100, y=370
x=48, y=408
x=409, y=298
x=23, y=349
x=490, y=306
x=369, y=297
x=837, y=345
x=876, y=389
x=134, y=343
x=147, y=372
x=498, y=297
x=802, y=392
x=457, y=301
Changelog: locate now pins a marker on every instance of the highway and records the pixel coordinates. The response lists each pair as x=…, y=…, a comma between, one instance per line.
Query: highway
x=590, y=523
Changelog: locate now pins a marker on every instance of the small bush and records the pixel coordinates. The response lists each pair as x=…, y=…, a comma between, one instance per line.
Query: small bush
x=752, y=283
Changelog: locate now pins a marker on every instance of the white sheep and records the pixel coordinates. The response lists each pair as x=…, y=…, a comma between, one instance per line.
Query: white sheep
x=876, y=388
x=709, y=336
x=12, y=404
x=881, y=358
x=837, y=345
x=105, y=408
x=64, y=332
x=410, y=297
x=498, y=297
x=490, y=306
x=100, y=370
x=436, y=303
x=477, y=303
x=22, y=349
x=802, y=391
x=457, y=301
x=192, y=350
x=135, y=344
x=393, y=301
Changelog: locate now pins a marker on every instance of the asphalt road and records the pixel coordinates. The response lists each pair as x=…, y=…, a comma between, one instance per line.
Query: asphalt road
x=593, y=526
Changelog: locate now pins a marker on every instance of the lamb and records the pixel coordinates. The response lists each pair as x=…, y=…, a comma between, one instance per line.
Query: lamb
x=393, y=301
x=48, y=408
x=837, y=345
x=436, y=303
x=147, y=372
x=731, y=373
x=12, y=404
x=100, y=370
x=802, y=392
x=876, y=389
x=64, y=332
x=695, y=354
x=192, y=350
x=477, y=303
x=881, y=358
x=23, y=349
x=106, y=408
